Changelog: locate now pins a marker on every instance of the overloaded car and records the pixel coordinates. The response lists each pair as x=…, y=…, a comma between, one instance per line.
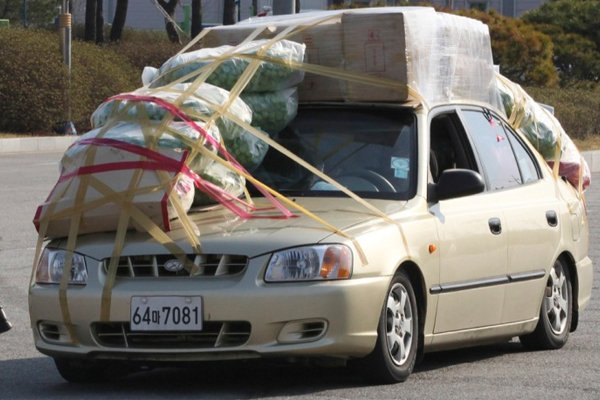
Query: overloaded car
x=462, y=235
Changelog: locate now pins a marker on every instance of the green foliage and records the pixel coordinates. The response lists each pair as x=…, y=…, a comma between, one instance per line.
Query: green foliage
x=40, y=13
x=576, y=107
x=574, y=26
x=572, y=16
x=145, y=48
x=97, y=74
x=29, y=62
x=33, y=80
x=523, y=53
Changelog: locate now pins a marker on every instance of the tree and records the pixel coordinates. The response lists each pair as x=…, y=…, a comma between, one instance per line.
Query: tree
x=90, y=21
x=572, y=16
x=574, y=26
x=196, y=17
x=116, y=31
x=169, y=7
x=228, y=12
x=99, y=22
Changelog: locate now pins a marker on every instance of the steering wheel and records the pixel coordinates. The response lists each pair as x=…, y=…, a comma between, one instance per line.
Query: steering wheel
x=356, y=179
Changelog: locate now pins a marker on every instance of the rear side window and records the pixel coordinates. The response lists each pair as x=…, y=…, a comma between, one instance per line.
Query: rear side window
x=527, y=166
x=494, y=149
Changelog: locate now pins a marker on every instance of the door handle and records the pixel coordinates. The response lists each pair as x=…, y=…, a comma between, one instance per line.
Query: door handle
x=495, y=226
x=552, y=218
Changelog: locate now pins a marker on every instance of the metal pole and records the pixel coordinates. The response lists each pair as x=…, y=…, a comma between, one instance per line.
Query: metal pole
x=65, y=24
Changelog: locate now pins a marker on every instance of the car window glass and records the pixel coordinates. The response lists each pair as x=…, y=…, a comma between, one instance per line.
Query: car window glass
x=494, y=150
x=448, y=146
x=527, y=166
x=370, y=151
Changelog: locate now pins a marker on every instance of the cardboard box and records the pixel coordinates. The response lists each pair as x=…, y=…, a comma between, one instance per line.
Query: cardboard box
x=364, y=43
x=374, y=45
x=324, y=46
x=115, y=169
x=442, y=56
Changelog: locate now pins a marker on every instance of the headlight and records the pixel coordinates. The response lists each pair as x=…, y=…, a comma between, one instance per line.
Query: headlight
x=310, y=263
x=51, y=266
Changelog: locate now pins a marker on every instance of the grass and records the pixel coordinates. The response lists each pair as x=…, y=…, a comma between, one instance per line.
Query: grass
x=592, y=142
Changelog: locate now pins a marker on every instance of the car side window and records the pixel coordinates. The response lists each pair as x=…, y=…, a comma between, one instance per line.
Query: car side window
x=527, y=165
x=449, y=147
x=494, y=149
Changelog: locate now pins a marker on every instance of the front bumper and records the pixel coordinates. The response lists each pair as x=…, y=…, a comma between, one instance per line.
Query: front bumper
x=334, y=318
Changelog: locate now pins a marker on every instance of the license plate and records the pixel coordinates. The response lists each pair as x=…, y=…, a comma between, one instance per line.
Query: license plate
x=166, y=313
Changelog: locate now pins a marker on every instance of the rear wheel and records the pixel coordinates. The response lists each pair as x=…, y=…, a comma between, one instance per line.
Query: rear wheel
x=552, y=330
x=394, y=356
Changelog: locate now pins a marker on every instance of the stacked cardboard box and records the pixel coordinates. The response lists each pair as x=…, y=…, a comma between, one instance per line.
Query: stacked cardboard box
x=401, y=44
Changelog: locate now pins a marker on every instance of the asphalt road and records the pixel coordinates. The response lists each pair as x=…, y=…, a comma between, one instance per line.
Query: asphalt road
x=499, y=371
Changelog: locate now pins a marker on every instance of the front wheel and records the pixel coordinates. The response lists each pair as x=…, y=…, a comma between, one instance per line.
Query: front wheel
x=552, y=330
x=394, y=356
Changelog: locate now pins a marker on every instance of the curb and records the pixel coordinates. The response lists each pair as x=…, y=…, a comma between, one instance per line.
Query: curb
x=61, y=143
x=36, y=144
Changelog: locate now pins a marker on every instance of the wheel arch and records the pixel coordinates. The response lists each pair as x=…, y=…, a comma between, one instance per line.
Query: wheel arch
x=417, y=280
x=567, y=259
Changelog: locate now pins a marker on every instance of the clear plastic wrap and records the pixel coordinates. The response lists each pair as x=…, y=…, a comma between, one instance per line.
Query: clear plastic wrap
x=113, y=160
x=224, y=178
x=136, y=134
x=199, y=106
x=268, y=77
x=272, y=111
x=449, y=57
x=543, y=130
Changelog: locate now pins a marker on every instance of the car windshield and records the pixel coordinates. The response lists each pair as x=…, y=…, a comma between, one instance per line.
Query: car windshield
x=370, y=150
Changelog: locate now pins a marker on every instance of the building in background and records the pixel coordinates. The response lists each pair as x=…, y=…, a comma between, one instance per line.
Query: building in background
x=509, y=8
x=144, y=14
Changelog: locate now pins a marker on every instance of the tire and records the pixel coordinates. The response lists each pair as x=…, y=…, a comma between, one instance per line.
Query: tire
x=556, y=312
x=88, y=371
x=395, y=353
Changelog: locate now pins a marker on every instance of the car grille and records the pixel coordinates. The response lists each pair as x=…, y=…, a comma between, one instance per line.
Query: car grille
x=199, y=265
x=213, y=335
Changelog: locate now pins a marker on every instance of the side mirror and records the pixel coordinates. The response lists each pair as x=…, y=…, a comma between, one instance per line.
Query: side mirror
x=455, y=183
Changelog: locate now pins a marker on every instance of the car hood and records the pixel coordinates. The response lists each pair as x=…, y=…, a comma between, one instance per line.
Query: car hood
x=221, y=232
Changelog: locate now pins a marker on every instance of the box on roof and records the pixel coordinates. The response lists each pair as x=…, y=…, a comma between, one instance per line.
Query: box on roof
x=442, y=56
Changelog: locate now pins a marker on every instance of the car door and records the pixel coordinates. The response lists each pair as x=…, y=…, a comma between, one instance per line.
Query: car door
x=532, y=219
x=471, y=242
x=530, y=210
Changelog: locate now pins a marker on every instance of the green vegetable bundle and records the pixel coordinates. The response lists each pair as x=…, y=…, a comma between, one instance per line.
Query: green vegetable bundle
x=532, y=120
x=272, y=111
x=222, y=177
x=269, y=76
x=199, y=106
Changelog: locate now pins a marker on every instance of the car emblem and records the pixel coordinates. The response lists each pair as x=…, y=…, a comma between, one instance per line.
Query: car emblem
x=174, y=265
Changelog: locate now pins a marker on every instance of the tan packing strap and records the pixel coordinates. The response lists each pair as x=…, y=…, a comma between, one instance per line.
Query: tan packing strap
x=129, y=211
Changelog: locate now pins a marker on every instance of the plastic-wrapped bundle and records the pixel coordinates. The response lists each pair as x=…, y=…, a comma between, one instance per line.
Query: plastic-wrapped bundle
x=449, y=57
x=107, y=163
x=199, y=106
x=223, y=177
x=543, y=130
x=135, y=134
x=268, y=77
x=272, y=111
